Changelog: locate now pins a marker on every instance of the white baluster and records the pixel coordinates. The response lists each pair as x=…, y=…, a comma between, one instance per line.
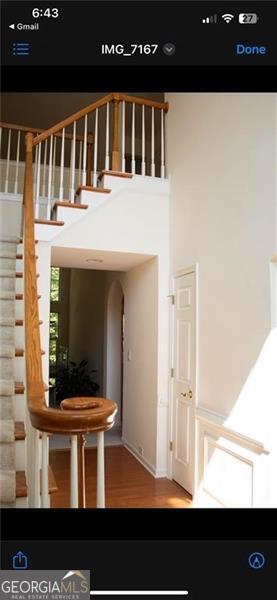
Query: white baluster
x=44, y=472
x=100, y=492
x=8, y=162
x=84, y=179
x=44, y=169
x=74, y=472
x=153, y=143
x=72, y=165
x=17, y=163
x=62, y=167
x=35, y=174
x=143, y=141
x=54, y=167
x=133, y=168
x=95, y=149
x=49, y=179
x=34, y=476
x=80, y=163
x=107, y=159
x=38, y=183
x=162, y=145
x=123, y=160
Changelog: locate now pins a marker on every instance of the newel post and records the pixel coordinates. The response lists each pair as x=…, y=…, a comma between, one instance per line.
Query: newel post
x=115, y=139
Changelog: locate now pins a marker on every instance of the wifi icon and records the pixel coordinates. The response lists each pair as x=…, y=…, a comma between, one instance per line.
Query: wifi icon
x=227, y=17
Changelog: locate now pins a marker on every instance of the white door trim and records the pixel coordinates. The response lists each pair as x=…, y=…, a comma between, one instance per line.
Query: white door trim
x=184, y=271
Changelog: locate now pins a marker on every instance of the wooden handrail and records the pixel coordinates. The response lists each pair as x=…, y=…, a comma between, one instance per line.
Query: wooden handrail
x=113, y=97
x=35, y=131
x=142, y=101
x=42, y=417
x=69, y=120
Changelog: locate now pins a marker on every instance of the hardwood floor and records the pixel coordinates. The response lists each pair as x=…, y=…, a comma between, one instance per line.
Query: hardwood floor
x=128, y=484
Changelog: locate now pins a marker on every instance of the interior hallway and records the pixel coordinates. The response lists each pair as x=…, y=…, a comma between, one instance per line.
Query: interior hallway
x=128, y=484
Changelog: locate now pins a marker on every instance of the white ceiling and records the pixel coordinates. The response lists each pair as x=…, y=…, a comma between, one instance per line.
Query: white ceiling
x=76, y=258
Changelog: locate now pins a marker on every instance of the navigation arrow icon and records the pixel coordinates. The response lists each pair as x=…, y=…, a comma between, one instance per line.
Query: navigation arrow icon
x=12, y=26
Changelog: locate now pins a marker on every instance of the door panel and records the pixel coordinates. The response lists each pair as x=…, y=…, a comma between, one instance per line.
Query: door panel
x=184, y=380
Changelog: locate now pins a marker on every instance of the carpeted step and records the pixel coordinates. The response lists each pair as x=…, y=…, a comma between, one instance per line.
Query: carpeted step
x=8, y=248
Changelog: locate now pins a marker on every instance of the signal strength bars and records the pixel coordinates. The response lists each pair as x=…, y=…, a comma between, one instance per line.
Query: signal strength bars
x=211, y=20
x=20, y=49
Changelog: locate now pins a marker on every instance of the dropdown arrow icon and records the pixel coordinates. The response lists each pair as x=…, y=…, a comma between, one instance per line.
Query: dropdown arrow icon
x=169, y=49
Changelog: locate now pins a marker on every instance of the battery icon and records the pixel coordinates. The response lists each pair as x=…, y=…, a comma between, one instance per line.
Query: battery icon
x=248, y=18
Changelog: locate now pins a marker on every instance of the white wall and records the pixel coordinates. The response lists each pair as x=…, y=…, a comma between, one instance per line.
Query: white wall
x=140, y=384
x=220, y=150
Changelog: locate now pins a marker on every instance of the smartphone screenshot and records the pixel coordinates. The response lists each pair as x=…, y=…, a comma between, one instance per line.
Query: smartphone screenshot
x=138, y=300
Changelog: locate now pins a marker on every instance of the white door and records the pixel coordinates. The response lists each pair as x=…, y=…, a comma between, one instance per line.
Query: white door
x=184, y=343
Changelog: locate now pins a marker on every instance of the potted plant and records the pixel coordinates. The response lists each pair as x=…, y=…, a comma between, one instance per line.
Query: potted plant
x=75, y=380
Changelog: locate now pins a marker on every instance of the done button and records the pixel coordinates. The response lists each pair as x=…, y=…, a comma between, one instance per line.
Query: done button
x=254, y=50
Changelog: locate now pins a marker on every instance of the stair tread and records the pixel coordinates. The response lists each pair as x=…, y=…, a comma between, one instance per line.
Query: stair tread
x=19, y=387
x=67, y=204
x=19, y=274
x=20, y=257
x=91, y=188
x=115, y=174
x=21, y=296
x=21, y=483
x=20, y=352
x=19, y=430
x=48, y=222
x=19, y=322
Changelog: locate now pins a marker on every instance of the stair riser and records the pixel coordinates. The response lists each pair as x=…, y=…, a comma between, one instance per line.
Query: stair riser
x=6, y=408
x=6, y=368
x=19, y=265
x=8, y=247
x=20, y=455
x=7, y=335
x=19, y=339
x=7, y=283
x=19, y=285
x=21, y=503
x=19, y=407
x=19, y=368
x=6, y=308
x=7, y=263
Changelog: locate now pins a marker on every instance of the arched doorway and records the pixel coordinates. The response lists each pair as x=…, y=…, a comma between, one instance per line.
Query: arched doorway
x=114, y=347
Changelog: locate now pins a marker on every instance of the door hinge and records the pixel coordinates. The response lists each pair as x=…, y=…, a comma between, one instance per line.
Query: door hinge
x=172, y=298
x=170, y=446
x=171, y=372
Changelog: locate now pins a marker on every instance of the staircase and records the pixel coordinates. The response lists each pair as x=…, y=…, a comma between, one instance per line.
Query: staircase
x=8, y=430
x=66, y=177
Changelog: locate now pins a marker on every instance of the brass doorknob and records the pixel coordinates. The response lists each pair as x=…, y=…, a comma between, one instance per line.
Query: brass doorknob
x=189, y=394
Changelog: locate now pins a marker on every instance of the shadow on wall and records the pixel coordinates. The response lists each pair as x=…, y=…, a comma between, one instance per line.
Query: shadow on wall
x=239, y=455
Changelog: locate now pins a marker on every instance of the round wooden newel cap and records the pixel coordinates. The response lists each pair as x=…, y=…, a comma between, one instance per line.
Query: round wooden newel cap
x=80, y=403
x=84, y=414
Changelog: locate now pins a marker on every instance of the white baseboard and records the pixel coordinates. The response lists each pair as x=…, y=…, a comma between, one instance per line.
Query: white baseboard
x=143, y=461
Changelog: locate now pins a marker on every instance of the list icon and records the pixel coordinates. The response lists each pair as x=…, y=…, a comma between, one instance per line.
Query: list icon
x=21, y=49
